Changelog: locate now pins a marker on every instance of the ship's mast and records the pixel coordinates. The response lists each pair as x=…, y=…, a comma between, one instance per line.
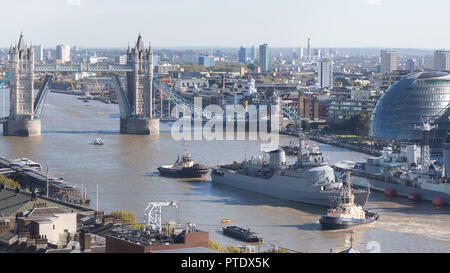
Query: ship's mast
x=426, y=127
x=301, y=138
x=348, y=180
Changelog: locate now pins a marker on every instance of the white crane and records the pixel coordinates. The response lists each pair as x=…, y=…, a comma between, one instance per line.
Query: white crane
x=153, y=215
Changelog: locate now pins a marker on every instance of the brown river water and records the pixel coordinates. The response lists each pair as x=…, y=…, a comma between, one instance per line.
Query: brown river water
x=125, y=169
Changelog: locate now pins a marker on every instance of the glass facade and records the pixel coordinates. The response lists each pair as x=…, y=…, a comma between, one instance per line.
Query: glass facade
x=418, y=97
x=206, y=61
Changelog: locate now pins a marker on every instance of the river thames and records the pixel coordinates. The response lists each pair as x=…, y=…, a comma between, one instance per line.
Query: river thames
x=125, y=169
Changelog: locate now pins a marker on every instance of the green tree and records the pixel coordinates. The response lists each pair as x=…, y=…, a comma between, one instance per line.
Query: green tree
x=128, y=219
x=306, y=125
x=8, y=182
x=218, y=247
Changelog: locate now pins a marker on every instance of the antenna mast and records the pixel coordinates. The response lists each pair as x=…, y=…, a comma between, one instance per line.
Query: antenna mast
x=426, y=127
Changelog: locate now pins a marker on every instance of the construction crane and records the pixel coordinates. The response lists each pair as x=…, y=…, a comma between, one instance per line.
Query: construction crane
x=97, y=86
x=153, y=215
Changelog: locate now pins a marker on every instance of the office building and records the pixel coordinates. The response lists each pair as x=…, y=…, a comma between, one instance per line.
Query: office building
x=388, y=61
x=156, y=60
x=242, y=55
x=206, y=60
x=300, y=53
x=325, y=73
x=38, y=53
x=411, y=65
x=317, y=53
x=253, y=53
x=264, y=57
x=349, y=102
x=62, y=54
x=441, y=60
x=121, y=59
x=308, y=106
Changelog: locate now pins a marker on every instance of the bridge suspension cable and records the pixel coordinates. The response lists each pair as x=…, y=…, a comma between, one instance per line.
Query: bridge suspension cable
x=289, y=113
x=173, y=96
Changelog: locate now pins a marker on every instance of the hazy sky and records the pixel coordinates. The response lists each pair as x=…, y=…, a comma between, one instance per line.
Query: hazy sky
x=329, y=23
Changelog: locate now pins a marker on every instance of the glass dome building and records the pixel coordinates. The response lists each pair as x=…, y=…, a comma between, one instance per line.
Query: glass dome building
x=416, y=98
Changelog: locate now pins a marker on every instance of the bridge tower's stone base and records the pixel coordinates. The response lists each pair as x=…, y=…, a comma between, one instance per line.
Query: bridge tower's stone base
x=139, y=126
x=22, y=127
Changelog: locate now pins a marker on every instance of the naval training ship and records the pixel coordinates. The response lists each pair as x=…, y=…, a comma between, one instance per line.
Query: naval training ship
x=310, y=180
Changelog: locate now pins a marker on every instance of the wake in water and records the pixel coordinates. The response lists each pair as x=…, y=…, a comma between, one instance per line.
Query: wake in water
x=438, y=229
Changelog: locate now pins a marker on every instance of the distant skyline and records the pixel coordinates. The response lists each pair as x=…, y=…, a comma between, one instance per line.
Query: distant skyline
x=230, y=23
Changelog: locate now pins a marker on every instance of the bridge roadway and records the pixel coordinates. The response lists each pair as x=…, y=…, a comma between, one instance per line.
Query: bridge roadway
x=83, y=68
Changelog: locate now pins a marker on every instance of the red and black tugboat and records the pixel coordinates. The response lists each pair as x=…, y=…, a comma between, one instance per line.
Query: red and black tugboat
x=184, y=168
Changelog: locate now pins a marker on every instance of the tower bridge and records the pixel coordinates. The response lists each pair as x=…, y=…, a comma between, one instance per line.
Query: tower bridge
x=134, y=92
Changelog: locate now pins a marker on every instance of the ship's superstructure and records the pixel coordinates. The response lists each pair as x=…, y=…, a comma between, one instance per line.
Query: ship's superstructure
x=346, y=204
x=405, y=172
x=309, y=180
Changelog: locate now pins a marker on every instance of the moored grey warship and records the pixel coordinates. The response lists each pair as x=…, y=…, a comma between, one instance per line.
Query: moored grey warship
x=310, y=180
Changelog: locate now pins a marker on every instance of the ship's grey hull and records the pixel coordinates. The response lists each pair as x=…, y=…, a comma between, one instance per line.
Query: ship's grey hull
x=284, y=187
x=400, y=190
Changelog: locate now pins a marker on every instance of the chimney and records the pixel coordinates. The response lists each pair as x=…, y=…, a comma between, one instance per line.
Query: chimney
x=108, y=219
x=40, y=205
x=85, y=239
x=31, y=241
x=99, y=216
x=41, y=241
x=4, y=227
x=117, y=220
x=23, y=235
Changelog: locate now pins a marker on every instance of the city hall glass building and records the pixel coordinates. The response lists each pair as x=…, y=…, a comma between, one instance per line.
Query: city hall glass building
x=417, y=97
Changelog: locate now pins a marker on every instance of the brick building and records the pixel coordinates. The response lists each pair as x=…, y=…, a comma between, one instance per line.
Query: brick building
x=127, y=240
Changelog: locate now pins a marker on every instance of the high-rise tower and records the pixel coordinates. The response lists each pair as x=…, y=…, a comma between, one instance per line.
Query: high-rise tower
x=264, y=57
x=388, y=59
x=309, y=47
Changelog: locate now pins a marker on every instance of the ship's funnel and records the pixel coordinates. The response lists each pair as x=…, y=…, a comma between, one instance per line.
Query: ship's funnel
x=277, y=158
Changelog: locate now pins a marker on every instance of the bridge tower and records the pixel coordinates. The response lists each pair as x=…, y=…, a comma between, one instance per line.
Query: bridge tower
x=22, y=121
x=140, y=92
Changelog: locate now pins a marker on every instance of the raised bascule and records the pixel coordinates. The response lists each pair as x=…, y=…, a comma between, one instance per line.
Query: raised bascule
x=135, y=91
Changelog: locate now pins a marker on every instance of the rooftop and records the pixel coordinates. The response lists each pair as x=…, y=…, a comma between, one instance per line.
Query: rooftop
x=187, y=250
x=11, y=203
x=426, y=75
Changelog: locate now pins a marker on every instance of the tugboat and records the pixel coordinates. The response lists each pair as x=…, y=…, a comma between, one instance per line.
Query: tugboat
x=98, y=141
x=242, y=234
x=184, y=168
x=347, y=214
